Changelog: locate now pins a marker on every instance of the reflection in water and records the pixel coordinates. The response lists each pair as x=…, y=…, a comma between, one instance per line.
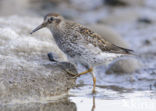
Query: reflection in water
x=112, y=99
x=132, y=103
x=63, y=105
x=93, y=106
x=104, y=99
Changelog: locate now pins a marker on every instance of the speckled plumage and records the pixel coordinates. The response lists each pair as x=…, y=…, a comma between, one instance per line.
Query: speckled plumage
x=80, y=44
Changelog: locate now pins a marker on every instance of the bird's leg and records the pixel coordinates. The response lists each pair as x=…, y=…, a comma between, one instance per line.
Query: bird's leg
x=94, y=82
x=94, y=78
x=85, y=72
x=93, y=106
x=77, y=75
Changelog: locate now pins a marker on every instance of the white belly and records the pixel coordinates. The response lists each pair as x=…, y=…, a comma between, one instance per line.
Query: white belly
x=93, y=56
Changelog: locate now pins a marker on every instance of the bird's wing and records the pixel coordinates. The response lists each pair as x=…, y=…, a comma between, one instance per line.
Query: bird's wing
x=96, y=40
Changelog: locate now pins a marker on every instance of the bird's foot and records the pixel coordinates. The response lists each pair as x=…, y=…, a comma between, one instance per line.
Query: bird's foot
x=77, y=75
x=71, y=73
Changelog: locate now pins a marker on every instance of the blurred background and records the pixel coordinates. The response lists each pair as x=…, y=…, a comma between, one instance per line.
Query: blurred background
x=126, y=23
x=87, y=11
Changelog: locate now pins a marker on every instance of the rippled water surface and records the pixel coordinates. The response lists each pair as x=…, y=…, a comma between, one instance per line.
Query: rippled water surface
x=107, y=98
x=113, y=98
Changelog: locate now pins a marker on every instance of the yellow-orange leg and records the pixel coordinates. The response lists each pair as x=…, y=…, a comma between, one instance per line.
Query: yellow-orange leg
x=93, y=106
x=94, y=82
x=82, y=73
x=85, y=72
x=94, y=78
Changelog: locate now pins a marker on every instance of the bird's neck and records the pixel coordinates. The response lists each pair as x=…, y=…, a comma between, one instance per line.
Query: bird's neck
x=57, y=28
x=58, y=33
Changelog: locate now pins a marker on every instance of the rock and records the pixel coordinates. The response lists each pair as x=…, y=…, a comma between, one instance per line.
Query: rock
x=154, y=84
x=25, y=71
x=145, y=20
x=86, y=5
x=62, y=105
x=19, y=7
x=118, y=17
x=135, y=2
x=127, y=65
x=147, y=42
x=124, y=2
x=54, y=1
x=115, y=2
x=32, y=80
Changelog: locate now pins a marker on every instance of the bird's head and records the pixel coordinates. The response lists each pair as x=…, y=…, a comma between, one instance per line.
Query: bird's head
x=51, y=20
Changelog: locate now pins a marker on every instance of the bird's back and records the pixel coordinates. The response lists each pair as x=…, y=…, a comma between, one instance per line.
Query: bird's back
x=90, y=37
x=89, y=47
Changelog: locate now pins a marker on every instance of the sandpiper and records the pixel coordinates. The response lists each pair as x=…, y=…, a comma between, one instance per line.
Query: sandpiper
x=80, y=44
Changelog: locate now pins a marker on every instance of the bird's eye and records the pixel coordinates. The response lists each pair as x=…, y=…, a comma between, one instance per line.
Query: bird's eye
x=50, y=19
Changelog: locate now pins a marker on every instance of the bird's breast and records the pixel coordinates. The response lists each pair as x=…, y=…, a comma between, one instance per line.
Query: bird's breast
x=65, y=44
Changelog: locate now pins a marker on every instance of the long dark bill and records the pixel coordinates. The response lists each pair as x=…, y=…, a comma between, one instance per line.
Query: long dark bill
x=39, y=27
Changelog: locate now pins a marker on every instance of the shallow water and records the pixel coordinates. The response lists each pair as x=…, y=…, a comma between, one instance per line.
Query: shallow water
x=107, y=99
x=80, y=99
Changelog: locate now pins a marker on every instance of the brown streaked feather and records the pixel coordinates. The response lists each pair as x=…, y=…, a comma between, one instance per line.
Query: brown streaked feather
x=104, y=45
